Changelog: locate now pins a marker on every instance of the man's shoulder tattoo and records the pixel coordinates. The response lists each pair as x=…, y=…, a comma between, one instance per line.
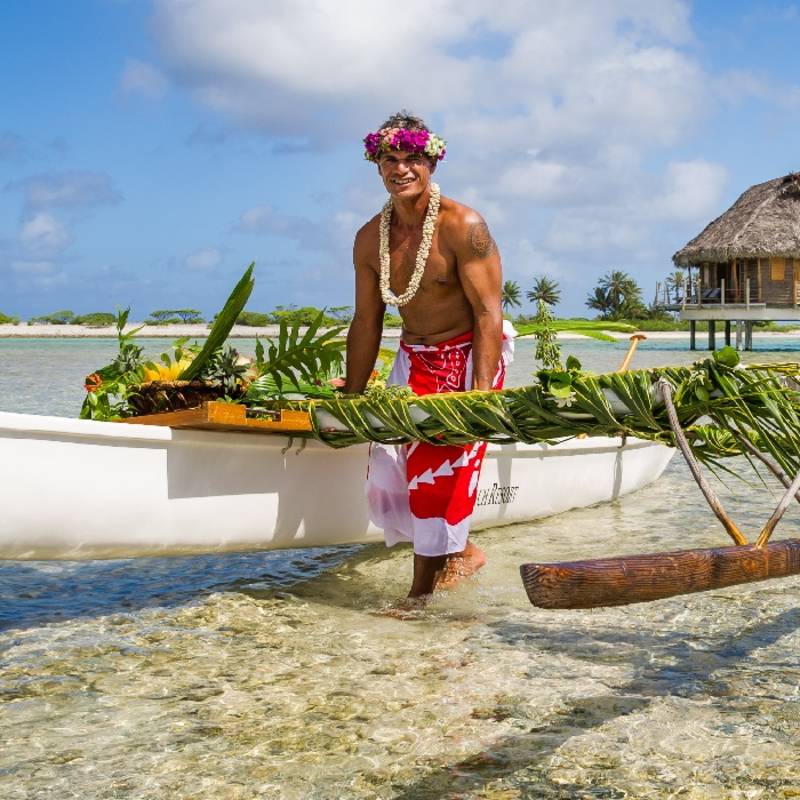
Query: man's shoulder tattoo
x=480, y=240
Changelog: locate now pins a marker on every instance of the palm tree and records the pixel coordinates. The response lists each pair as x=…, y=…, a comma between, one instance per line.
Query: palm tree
x=511, y=295
x=676, y=281
x=545, y=289
x=600, y=301
x=617, y=296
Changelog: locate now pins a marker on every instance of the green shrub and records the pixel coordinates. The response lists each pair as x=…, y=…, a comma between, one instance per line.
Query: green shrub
x=56, y=318
x=253, y=319
x=392, y=321
x=97, y=319
x=6, y=320
x=306, y=315
x=175, y=316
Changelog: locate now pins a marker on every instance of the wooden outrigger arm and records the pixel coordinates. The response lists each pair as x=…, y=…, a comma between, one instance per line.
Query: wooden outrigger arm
x=641, y=578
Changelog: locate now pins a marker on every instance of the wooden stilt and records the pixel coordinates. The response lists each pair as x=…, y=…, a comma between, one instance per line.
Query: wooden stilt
x=712, y=334
x=654, y=576
x=727, y=332
x=692, y=335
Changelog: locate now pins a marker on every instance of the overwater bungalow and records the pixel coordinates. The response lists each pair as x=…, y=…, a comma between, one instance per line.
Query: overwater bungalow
x=745, y=265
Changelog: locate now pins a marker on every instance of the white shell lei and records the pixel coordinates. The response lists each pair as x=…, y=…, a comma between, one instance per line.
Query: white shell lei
x=428, y=228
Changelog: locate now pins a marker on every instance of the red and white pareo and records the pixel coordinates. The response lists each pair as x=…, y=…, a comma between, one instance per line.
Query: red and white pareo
x=424, y=493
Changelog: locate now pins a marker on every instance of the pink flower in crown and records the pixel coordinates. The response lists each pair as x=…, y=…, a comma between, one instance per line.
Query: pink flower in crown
x=372, y=143
x=410, y=141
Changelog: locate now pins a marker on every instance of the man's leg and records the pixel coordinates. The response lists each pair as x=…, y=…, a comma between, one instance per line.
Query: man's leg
x=444, y=572
x=426, y=568
x=460, y=565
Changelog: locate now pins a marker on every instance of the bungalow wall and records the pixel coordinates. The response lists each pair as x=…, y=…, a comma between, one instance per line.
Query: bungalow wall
x=774, y=280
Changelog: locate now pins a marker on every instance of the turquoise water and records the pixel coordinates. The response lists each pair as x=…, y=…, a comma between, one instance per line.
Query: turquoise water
x=272, y=676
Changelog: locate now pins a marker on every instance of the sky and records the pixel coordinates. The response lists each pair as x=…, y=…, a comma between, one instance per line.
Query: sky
x=151, y=149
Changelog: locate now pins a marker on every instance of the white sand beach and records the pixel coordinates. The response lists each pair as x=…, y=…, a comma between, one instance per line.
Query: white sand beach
x=248, y=332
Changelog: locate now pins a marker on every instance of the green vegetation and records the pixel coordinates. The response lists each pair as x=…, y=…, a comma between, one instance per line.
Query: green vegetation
x=97, y=319
x=617, y=296
x=392, y=320
x=292, y=362
x=56, y=318
x=6, y=320
x=222, y=325
x=307, y=315
x=545, y=289
x=593, y=329
x=548, y=350
x=254, y=319
x=175, y=316
x=511, y=295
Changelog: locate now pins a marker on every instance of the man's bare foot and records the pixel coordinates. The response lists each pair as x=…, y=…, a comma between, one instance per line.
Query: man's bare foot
x=459, y=566
x=405, y=608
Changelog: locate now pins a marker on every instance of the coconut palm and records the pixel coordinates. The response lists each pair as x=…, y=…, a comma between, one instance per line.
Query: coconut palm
x=617, y=296
x=676, y=281
x=545, y=289
x=511, y=295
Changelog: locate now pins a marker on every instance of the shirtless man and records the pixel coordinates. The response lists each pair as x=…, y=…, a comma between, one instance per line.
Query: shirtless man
x=442, y=269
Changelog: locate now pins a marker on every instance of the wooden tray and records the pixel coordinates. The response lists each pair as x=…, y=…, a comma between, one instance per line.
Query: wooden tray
x=216, y=416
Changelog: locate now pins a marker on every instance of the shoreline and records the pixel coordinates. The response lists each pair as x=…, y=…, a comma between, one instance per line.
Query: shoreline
x=247, y=332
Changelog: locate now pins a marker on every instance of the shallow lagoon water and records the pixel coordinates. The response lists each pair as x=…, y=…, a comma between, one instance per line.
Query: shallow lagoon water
x=271, y=675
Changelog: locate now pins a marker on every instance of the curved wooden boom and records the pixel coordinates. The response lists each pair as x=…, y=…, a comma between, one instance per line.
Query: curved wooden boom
x=653, y=576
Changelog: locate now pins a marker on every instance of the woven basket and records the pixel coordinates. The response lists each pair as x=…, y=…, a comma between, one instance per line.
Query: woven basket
x=157, y=396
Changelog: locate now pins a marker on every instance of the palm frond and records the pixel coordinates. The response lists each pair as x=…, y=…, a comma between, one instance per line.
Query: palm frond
x=222, y=325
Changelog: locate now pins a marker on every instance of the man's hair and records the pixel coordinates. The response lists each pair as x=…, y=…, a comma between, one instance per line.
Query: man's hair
x=405, y=119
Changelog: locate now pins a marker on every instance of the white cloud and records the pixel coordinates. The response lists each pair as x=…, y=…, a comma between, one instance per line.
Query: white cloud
x=144, y=79
x=319, y=69
x=692, y=191
x=555, y=113
x=44, y=234
x=71, y=189
x=203, y=260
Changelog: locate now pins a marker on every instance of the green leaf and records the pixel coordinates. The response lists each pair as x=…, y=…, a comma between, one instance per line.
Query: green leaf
x=222, y=325
x=573, y=363
x=726, y=356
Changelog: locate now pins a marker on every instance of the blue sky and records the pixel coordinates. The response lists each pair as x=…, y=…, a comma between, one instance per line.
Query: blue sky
x=150, y=150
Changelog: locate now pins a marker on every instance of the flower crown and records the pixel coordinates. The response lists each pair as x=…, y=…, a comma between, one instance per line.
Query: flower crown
x=409, y=140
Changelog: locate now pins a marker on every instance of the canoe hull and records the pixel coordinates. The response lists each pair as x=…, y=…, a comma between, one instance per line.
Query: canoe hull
x=78, y=489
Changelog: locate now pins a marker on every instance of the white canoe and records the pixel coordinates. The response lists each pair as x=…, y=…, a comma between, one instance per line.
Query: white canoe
x=79, y=489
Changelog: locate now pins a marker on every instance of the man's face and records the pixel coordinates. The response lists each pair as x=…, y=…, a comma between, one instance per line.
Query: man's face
x=405, y=175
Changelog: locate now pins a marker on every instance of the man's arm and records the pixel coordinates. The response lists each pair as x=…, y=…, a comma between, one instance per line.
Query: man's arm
x=480, y=272
x=364, y=336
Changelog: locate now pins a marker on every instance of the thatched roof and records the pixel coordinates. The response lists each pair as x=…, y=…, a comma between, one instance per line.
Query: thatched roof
x=764, y=221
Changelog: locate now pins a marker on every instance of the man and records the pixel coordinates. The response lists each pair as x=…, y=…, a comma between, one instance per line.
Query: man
x=437, y=262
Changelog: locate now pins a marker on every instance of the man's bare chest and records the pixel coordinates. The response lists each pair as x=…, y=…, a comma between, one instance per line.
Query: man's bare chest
x=440, y=267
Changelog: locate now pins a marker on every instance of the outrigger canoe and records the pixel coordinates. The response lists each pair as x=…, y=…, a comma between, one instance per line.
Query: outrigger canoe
x=83, y=489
